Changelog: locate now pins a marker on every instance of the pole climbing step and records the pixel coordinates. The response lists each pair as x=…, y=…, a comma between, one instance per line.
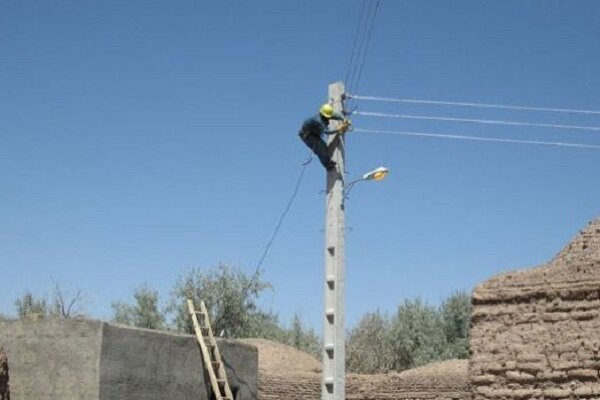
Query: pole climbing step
x=210, y=352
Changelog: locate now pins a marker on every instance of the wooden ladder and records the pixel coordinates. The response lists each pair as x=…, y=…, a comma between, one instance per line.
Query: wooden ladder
x=210, y=352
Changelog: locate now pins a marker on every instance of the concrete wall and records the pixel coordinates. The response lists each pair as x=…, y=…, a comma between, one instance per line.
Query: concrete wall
x=535, y=334
x=58, y=359
x=141, y=364
x=52, y=359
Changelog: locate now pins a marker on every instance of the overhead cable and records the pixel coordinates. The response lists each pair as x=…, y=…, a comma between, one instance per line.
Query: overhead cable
x=480, y=105
x=477, y=121
x=478, y=138
x=361, y=44
x=366, y=50
x=363, y=33
x=354, y=44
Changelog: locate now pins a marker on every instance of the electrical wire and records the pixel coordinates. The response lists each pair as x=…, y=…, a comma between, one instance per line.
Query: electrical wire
x=279, y=223
x=366, y=51
x=478, y=138
x=477, y=121
x=354, y=44
x=480, y=105
x=362, y=31
x=361, y=45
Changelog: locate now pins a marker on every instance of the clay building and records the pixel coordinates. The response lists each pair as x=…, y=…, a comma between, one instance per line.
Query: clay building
x=535, y=334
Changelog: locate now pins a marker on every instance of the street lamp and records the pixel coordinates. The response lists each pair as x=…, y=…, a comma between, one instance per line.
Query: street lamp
x=378, y=174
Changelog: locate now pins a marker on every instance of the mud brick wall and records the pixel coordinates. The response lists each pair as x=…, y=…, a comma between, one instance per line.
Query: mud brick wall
x=442, y=381
x=287, y=373
x=289, y=386
x=535, y=334
x=447, y=380
x=4, y=388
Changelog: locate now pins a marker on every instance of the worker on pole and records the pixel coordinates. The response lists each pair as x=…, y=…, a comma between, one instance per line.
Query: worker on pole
x=314, y=128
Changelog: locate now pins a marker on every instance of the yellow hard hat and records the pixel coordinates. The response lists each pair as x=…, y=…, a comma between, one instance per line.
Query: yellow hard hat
x=326, y=110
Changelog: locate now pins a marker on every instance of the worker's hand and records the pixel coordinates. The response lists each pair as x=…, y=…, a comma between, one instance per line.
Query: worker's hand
x=345, y=126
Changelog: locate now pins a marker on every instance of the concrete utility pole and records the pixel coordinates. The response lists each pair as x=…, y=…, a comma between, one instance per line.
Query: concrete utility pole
x=334, y=353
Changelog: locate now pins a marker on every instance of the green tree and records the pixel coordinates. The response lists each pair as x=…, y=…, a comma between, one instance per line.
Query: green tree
x=29, y=306
x=231, y=298
x=417, y=335
x=144, y=313
x=369, y=345
x=456, y=311
x=302, y=337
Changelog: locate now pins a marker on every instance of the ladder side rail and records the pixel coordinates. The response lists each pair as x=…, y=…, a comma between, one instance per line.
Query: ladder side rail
x=205, y=352
x=222, y=371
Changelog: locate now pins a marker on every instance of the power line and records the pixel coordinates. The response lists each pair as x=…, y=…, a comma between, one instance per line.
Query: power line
x=354, y=44
x=366, y=12
x=480, y=105
x=365, y=54
x=477, y=121
x=361, y=44
x=478, y=138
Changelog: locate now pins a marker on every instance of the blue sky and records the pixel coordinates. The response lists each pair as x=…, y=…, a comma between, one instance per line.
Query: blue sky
x=140, y=138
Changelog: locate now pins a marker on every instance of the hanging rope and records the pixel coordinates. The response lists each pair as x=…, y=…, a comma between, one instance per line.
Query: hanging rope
x=288, y=206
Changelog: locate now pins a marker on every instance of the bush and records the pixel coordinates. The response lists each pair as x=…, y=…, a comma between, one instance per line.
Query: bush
x=145, y=313
x=416, y=335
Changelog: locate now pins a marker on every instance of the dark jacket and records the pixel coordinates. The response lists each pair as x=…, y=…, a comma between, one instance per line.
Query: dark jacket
x=318, y=126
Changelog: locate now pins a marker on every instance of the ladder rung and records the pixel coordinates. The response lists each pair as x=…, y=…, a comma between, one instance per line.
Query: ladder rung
x=211, y=358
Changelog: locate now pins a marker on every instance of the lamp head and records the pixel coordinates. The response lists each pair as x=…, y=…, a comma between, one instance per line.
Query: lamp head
x=377, y=174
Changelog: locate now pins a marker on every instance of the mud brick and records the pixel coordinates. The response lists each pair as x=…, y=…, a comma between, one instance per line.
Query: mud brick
x=583, y=373
x=557, y=393
x=517, y=376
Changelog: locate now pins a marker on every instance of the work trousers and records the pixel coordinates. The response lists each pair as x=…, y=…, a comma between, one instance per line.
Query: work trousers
x=319, y=147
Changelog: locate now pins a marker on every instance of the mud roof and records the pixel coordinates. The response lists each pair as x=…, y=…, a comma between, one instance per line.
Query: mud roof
x=576, y=268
